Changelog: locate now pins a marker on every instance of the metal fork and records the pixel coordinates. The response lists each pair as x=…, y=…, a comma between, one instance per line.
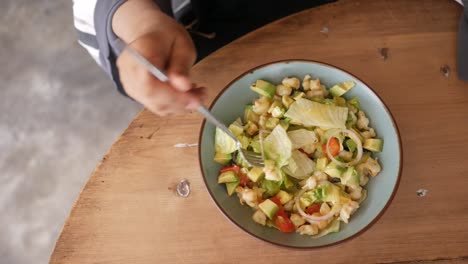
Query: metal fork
x=253, y=159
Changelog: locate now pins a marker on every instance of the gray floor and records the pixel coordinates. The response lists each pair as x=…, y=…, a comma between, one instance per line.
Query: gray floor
x=58, y=115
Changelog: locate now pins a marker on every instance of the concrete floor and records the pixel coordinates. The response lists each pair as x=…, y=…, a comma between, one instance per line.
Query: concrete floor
x=58, y=115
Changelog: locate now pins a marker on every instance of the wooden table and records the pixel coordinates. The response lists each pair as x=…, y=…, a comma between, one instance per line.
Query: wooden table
x=128, y=212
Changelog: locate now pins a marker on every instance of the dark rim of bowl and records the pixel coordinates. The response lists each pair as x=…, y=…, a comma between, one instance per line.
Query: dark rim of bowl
x=397, y=184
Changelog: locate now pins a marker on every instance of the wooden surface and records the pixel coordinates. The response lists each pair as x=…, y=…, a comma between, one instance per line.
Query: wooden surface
x=128, y=212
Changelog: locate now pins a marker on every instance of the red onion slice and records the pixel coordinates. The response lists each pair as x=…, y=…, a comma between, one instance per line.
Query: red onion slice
x=351, y=134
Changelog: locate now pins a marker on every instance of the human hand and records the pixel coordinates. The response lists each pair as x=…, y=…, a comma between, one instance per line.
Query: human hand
x=165, y=44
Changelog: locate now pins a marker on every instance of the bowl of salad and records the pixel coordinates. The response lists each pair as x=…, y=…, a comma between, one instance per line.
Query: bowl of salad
x=331, y=149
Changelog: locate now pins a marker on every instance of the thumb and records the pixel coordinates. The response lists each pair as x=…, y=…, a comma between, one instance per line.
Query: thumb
x=181, y=59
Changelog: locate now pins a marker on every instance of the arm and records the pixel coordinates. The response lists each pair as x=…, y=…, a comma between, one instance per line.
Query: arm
x=91, y=21
x=156, y=36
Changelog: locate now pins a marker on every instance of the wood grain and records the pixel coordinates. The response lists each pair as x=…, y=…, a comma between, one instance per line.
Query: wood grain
x=128, y=212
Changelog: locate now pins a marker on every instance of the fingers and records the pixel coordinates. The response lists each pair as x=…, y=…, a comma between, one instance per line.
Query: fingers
x=177, y=57
x=159, y=97
x=181, y=59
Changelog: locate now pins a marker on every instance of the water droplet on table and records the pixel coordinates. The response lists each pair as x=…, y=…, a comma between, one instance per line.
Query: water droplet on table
x=183, y=188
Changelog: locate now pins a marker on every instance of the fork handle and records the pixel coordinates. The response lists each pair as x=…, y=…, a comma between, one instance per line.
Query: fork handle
x=215, y=122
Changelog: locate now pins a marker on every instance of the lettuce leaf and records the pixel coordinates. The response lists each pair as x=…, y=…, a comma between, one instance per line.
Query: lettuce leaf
x=302, y=137
x=299, y=166
x=309, y=114
x=277, y=146
x=224, y=143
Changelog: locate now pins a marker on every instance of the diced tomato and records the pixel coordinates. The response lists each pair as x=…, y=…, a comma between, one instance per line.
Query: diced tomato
x=284, y=224
x=313, y=208
x=282, y=213
x=333, y=145
x=282, y=221
x=277, y=201
x=244, y=180
x=233, y=168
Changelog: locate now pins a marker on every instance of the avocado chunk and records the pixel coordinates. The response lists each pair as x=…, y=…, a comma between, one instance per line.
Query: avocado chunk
x=276, y=109
x=341, y=88
x=250, y=115
x=244, y=140
x=271, y=187
x=373, y=144
x=255, y=144
x=334, y=170
x=255, y=174
x=236, y=129
x=296, y=95
x=222, y=158
x=339, y=101
x=269, y=208
x=271, y=123
x=263, y=88
x=228, y=176
x=283, y=196
x=288, y=184
x=351, y=145
x=231, y=187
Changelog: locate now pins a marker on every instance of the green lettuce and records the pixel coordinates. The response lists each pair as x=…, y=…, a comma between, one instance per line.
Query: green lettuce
x=299, y=166
x=302, y=137
x=224, y=143
x=310, y=114
x=277, y=146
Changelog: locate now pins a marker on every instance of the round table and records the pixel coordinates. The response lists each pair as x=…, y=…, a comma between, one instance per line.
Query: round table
x=128, y=211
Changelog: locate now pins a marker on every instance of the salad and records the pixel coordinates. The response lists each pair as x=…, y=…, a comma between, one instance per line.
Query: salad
x=317, y=147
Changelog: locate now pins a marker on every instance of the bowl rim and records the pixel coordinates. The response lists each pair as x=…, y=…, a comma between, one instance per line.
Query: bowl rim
x=360, y=232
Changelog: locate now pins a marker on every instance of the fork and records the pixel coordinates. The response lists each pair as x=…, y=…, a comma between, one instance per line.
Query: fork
x=252, y=159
